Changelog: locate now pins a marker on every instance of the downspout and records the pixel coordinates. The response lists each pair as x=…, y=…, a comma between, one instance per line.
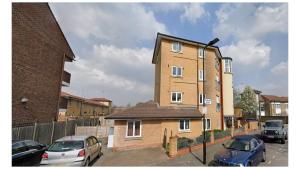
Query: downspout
x=221, y=93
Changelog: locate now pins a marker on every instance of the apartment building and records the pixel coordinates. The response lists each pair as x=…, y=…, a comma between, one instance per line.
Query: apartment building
x=39, y=53
x=176, y=78
x=174, y=109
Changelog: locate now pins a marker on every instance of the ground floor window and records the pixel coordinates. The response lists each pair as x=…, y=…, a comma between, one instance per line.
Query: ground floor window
x=184, y=125
x=133, y=128
x=207, y=124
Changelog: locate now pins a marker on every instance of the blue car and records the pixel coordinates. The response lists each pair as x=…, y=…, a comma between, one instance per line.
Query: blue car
x=246, y=150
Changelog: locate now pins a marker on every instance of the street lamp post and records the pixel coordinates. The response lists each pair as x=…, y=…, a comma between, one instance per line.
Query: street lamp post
x=203, y=97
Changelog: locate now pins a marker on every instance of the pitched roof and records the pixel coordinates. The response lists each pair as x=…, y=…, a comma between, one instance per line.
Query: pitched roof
x=151, y=110
x=68, y=95
x=102, y=99
x=275, y=98
x=160, y=36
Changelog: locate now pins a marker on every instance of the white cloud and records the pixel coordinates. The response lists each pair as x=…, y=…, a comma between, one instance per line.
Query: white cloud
x=119, y=24
x=281, y=68
x=192, y=12
x=248, y=52
x=114, y=70
x=244, y=21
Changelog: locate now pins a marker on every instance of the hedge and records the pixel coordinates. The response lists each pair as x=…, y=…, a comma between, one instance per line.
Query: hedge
x=221, y=134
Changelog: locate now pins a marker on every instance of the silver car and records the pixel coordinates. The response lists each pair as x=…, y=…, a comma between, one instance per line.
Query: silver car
x=72, y=151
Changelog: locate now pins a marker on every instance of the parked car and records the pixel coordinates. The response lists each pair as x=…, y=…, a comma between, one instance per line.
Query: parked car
x=27, y=152
x=245, y=150
x=274, y=130
x=72, y=151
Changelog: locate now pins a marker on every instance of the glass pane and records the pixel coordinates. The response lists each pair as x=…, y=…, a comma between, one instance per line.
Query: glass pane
x=200, y=99
x=137, y=128
x=130, y=129
x=179, y=47
x=187, y=124
x=207, y=124
x=181, y=124
x=174, y=71
x=179, y=71
x=179, y=97
x=173, y=97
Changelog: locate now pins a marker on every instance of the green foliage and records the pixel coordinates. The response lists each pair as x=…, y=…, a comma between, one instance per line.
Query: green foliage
x=199, y=140
x=236, y=97
x=248, y=101
x=183, y=142
x=221, y=133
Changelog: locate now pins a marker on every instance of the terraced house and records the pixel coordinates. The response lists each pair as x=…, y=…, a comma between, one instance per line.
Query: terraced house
x=174, y=109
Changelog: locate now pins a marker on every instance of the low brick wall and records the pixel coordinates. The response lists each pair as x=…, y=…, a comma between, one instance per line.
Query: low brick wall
x=187, y=150
x=136, y=147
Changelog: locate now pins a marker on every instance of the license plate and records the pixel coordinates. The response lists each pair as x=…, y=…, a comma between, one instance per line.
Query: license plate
x=270, y=136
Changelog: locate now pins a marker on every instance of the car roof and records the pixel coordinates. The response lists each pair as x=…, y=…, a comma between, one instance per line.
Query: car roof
x=73, y=138
x=245, y=137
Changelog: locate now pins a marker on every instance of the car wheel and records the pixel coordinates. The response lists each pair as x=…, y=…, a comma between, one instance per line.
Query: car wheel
x=87, y=162
x=264, y=156
x=283, y=141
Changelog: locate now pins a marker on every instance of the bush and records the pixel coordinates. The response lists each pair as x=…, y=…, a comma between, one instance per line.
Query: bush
x=199, y=140
x=221, y=134
x=183, y=142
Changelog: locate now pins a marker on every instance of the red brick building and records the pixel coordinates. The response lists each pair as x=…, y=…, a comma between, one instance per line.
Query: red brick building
x=39, y=53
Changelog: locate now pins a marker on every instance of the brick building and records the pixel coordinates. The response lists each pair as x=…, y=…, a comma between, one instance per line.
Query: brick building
x=39, y=53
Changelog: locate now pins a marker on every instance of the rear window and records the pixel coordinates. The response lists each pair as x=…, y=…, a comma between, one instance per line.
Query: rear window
x=62, y=146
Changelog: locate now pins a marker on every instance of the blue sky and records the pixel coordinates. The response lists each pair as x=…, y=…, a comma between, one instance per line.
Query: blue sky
x=113, y=43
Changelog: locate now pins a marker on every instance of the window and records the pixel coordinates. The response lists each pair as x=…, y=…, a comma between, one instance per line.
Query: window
x=176, y=96
x=201, y=75
x=176, y=47
x=201, y=98
x=207, y=124
x=176, y=71
x=201, y=52
x=262, y=108
x=228, y=65
x=218, y=105
x=133, y=128
x=184, y=125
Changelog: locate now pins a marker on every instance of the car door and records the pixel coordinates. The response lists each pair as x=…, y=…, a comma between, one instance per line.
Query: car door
x=35, y=151
x=95, y=147
x=20, y=154
x=255, y=153
x=90, y=148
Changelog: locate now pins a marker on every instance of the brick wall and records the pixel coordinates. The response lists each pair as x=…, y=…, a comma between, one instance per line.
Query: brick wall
x=38, y=53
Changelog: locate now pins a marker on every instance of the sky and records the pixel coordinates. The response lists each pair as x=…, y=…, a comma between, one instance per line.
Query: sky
x=114, y=42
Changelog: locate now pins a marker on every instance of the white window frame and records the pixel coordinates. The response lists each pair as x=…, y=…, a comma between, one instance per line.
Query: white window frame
x=173, y=47
x=200, y=73
x=201, y=96
x=176, y=97
x=176, y=70
x=226, y=68
x=201, y=52
x=184, y=121
x=218, y=102
x=133, y=134
x=206, y=124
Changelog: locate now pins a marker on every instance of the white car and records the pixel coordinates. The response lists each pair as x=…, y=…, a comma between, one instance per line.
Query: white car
x=72, y=151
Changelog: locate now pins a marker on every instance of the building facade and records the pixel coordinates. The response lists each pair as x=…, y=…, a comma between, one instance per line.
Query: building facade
x=176, y=78
x=75, y=107
x=274, y=105
x=39, y=53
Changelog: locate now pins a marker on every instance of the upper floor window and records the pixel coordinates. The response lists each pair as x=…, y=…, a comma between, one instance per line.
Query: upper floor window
x=184, y=125
x=218, y=105
x=201, y=98
x=201, y=75
x=176, y=97
x=201, y=52
x=176, y=71
x=176, y=47
x=228, y=65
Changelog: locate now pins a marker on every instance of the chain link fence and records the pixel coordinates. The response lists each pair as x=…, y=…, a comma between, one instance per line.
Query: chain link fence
x=46, y=133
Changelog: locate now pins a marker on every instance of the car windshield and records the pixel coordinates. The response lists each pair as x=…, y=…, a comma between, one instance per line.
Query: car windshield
x=273, y=124
x=62, y=146
x=240, y=145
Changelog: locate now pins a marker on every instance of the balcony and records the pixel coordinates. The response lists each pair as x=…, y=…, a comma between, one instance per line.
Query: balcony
x=66, y=78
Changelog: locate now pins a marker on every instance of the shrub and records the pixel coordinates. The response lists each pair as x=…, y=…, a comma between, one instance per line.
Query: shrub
x=183, y=142
x=221, y=134
x=199, y=140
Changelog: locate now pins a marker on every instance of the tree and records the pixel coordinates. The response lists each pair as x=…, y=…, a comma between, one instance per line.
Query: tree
x=236, y=97
x=248, y=101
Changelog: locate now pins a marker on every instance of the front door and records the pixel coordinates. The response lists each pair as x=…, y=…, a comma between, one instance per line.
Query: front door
x=110, y=137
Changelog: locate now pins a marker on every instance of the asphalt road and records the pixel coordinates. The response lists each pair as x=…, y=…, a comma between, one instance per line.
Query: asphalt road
x=277, y=154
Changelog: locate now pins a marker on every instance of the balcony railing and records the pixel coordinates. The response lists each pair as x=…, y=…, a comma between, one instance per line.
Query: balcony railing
x=66, y=78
